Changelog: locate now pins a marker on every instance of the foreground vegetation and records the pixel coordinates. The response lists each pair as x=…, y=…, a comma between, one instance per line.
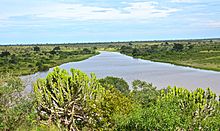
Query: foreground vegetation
x=75, y=101
x=22, y=60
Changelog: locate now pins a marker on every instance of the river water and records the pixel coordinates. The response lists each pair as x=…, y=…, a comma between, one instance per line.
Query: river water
x=128, y=68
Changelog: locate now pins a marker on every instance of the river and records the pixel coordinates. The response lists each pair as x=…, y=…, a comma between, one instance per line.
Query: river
x=128, y=68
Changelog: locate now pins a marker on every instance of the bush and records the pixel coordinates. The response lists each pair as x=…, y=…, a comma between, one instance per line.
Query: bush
x=86, y=51
x=175, y=109
x=36, y=48
x=16, y=110
x=178, y=47
x=56, y=48
x=5, y=53
x=119, y=83
x=77, y=102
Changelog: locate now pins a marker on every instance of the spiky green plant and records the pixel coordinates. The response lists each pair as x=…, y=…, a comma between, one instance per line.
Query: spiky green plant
x=76, y=101
x=69, y=101
x=199, y=105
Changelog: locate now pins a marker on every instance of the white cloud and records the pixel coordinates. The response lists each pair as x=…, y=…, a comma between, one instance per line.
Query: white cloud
x=183, y=1
x=140, y=11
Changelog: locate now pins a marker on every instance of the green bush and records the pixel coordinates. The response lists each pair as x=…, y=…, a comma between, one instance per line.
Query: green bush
x=175, y=109
x=118, y=83
x=77, y=102
x=16, y=109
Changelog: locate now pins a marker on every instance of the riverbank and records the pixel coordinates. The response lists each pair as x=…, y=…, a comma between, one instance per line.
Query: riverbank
x=73, y=58
x=25, y=60
x=178, y=63
x=200, y=56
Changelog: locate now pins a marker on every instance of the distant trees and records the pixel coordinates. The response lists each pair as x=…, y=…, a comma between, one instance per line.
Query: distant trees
x=41, y=66
x=5, y=53
x=36, y=48
x=95, y=48
x=14, y=59
x=178, y=47
x=135, y=52
x=56, y=48
x=86, y=51
x=190, y=46
x=126, y=49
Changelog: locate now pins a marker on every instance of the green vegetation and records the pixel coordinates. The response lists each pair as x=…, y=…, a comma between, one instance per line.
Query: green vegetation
x=16, y=110
x=22, y=60
x=198, y=54
x=76, y=101
x=119, y=83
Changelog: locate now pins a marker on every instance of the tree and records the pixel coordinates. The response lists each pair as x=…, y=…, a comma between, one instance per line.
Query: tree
x=56, y=48
x=135, y=52
x=5, y=53
x=36, y=48
x=126, y=49
x=95, y=48
x=178, y=47
x=119, y=83
x=86, y=51
x=190, y=46
x=143, y=92
x=14, y=59
x=130, y=44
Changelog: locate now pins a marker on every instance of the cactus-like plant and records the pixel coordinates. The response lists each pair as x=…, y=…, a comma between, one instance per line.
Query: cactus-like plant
x=69, y=101
x=200, y=103
x=76, y=101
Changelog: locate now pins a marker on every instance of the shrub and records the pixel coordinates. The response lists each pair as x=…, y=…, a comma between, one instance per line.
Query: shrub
x=5, y=53
x=36, y=48
x=15, y=109
x=119, y=83
x=56, y=48
x=77, y=102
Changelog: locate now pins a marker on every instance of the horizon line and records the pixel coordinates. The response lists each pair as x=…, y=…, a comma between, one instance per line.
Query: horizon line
x=99, y=42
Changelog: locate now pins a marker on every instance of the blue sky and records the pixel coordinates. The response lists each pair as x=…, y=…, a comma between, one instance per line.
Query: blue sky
x=58, y=21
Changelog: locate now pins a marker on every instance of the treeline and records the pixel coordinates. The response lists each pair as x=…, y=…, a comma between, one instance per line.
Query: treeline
x=76, y=101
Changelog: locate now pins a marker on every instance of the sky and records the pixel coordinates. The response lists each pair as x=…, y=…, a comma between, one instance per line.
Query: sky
x=63, y=21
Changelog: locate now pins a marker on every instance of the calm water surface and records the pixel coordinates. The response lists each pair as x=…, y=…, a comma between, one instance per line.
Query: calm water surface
x=128, y=68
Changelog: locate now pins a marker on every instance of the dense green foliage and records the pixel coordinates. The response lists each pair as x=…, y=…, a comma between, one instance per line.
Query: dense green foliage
x=76, y=101
x=176, y=109
x=79, y=102
x=201, y=54
x=119, y=83
x=22, y=60
x=16, y=110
